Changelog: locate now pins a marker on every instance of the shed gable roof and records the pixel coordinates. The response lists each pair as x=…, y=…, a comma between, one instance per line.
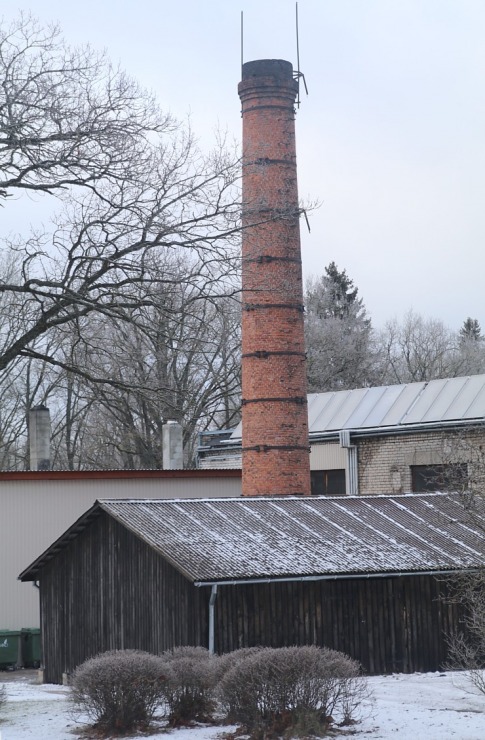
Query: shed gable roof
x=226, y=540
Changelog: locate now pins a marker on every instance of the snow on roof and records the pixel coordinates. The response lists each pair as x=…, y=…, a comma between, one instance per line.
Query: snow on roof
x=224, y=540
x=431, y=402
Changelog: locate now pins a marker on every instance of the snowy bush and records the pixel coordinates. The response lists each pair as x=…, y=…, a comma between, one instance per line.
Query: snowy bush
x=119, y=690
x=3, y=696
x=229, y=660
x=294, y=691
x=192, y=674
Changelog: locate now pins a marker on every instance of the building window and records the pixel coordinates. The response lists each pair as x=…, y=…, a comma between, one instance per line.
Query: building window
x=429, y=478
x=328, y=482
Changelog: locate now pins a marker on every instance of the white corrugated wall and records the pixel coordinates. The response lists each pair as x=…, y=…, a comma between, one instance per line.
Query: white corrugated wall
x=328, y=457
x=33, y=514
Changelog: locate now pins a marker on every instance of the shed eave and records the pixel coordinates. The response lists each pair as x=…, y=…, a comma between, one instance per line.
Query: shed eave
x=335, y=577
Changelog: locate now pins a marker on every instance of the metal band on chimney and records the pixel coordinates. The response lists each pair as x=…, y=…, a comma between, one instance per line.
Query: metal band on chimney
x=301, y=400
x=293, y=306
x=268, y=258
x=263, y=354
x=278, y=214
x=266, y=107
x=266, y=160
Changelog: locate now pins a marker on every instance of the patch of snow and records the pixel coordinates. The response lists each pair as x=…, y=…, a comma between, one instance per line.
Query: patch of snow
x=435, y=706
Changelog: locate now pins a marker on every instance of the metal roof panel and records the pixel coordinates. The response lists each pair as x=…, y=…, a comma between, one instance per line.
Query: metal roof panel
x=342, y=406
x=434, y=401
x=399, y=407
x=427, y=405
x=366, y=408
x=469, y=403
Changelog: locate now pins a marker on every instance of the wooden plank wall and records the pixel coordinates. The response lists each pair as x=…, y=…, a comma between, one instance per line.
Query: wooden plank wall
x=388, y=624
x=108, y=590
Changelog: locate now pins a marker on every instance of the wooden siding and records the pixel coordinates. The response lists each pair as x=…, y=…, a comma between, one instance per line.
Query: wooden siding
x=108, y=590
x=388, y=624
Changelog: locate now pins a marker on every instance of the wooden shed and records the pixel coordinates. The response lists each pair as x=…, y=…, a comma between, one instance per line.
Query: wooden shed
x=365, y=575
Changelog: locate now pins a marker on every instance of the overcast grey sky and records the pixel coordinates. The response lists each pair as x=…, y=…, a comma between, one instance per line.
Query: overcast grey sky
x=390, y=139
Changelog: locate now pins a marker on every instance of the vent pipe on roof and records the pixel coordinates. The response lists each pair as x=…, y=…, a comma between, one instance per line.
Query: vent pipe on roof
x=172, y=446
x=39, y=427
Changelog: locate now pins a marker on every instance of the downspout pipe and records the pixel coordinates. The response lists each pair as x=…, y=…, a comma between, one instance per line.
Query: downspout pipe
x=212, y=603
x=352, y=464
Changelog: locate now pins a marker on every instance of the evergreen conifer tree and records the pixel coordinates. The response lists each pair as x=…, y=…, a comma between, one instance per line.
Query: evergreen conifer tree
x=338, y=333
x=470, y=330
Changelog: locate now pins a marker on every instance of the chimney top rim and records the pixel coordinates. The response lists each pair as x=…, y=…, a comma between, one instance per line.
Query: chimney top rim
x=279, y=68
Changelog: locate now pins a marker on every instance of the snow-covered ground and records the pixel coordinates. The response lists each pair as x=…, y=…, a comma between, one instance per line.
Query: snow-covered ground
x=431, y=706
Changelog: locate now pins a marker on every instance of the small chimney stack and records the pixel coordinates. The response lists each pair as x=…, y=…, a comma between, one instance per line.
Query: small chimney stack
x=39, y=421
x=275, y=443
x=172, y=446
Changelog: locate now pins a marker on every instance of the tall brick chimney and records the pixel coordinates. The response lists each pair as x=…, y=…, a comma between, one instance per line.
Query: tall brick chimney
x=274, y=413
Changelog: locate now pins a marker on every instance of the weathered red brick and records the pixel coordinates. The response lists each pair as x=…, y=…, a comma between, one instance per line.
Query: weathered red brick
x=275, y=432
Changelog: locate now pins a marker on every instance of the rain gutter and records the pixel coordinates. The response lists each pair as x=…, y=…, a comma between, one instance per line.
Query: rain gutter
x=379, y=431
x=326, y=577
x=397, y=429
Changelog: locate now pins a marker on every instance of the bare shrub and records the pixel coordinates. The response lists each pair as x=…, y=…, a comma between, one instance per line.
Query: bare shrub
x=229, y=660
x=3, y=696
x=292, y=691
x=354, y=693
x=192, y=674
x=119, y=690
x=466, y=648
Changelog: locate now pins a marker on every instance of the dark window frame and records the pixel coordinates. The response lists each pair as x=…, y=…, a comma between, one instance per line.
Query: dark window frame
x=439, y=477
x=328, y=482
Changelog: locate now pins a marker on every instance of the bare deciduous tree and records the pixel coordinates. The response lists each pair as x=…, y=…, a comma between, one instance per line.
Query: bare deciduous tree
x=129, y=181
x=462, y=472
x=68, y=119
x=419, y=349
x=467, y=647
x=125, y=188
x=176, y=356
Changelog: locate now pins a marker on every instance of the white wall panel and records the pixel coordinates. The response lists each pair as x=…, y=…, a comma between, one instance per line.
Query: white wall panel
x=33, y=514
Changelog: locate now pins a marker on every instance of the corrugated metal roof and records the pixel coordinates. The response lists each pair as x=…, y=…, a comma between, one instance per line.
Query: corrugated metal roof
x=452, y=399
x=257, y=538
x=435, y=401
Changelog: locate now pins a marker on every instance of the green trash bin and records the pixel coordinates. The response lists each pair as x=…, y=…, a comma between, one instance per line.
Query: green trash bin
x=9, y=648
x=30, y=638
